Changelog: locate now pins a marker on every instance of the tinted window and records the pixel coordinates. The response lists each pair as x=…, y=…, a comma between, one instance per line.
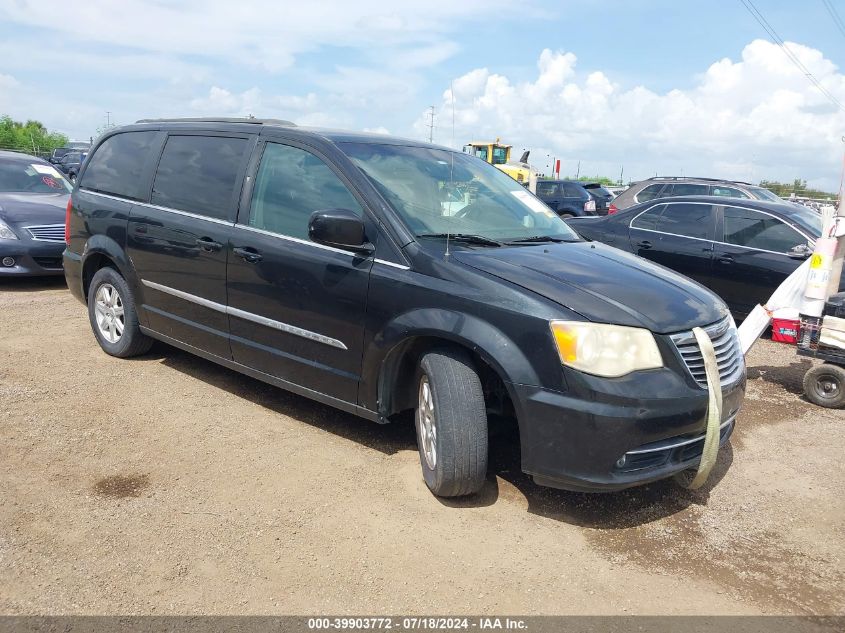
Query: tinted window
x=649, y=193
x=118, y=164
x=291, y=184
x=686, y=189
x=573, y=191
x=546, y=189
x=728, y=192
x=198, y=174
x=648, y=220
x=500, y=155
x=758, y=230
x=689, y=220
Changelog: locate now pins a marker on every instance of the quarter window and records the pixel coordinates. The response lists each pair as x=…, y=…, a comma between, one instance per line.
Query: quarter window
x=198, y=174
x=729, y=192
x=745, y=227
x=649, y=219
x=649, y=193
x=689, y=220
x=117, y=166
x=290, y=185
x=572, y=191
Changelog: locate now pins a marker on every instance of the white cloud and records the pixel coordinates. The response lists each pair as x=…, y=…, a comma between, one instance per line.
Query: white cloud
x=752, y=118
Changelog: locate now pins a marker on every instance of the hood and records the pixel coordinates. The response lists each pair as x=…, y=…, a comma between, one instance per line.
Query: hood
x=33, y=208
x=603, y=284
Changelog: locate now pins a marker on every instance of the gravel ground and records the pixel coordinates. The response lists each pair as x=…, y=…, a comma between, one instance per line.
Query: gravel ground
x=169, y=485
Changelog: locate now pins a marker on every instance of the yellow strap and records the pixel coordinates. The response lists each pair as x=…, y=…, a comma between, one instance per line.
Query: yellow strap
x=714, y=410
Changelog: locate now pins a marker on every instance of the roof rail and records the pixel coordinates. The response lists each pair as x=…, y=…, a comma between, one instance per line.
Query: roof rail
x=674, y=178
x=251, y=120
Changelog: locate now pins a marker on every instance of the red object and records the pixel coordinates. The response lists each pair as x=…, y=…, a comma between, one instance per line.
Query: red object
x=557, y=167
x=785, y=330
x=612, y=209
x=67, y=221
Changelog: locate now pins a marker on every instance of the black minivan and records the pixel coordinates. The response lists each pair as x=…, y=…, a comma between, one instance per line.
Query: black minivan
x=384, y=276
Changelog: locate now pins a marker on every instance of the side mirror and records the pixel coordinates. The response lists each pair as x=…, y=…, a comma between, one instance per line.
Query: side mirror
x=340, y=228
x=802, y=251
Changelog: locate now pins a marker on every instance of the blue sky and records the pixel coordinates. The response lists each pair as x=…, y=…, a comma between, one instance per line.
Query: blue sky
x=607, y=83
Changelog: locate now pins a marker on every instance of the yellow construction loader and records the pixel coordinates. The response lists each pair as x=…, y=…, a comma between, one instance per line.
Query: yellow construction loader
x=499, y=155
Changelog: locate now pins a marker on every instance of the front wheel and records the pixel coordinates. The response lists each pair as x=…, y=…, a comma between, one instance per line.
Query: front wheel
x=111, y=310
x=566, y=216
x=824, y=385
x=451, y=422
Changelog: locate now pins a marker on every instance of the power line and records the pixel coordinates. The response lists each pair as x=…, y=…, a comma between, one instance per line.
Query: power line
x=837, y=20
x=755, y=13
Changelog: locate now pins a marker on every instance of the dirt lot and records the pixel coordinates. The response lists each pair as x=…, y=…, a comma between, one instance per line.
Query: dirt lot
x=168, y=484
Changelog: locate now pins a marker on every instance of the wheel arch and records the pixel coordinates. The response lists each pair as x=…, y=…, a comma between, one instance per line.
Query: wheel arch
x=101, y=251
x=401, y=345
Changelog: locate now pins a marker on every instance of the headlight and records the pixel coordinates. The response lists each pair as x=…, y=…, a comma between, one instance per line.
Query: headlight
x=6, y=233
x=605, y=350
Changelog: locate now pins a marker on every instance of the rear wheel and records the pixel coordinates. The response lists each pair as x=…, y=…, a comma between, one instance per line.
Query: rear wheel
x=111, y=310
x=824, y=385
x=564, y=216
x=451, y=424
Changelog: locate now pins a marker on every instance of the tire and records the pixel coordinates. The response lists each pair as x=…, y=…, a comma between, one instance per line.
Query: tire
x=824, y=385
x=114, y=320
x=566, y=216
x=451, y=419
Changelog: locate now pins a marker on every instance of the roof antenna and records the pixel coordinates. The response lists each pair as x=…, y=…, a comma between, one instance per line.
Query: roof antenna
x=451, y=164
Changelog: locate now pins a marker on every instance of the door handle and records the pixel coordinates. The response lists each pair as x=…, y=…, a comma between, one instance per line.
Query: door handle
x=726, y=259
x=209, y=245
x=248, y=254
x=644, y=244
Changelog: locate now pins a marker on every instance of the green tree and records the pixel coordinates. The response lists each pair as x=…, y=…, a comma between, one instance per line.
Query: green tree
x=32, y=137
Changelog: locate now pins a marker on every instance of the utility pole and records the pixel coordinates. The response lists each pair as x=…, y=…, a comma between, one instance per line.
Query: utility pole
x=578, y=173
x=431, y=124
x=621, y=173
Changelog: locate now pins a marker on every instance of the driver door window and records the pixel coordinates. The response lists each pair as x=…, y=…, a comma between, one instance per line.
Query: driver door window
x=290, y=185
x=752, y=229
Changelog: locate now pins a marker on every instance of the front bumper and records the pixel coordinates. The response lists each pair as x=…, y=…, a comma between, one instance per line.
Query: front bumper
x=655, y=419
x=31, y=258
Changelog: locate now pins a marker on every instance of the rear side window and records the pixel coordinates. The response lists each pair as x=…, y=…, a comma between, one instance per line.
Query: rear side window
x=689, y=220
x=573, y=191
x=198, y=174
x=686, y=189
x=649, y=193
x=117, y=166
x=546, y=189
x=649, y=219
x=745, y=227
x=290, y=185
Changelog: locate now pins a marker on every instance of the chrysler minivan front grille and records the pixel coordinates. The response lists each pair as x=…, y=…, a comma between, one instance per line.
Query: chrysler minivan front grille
x=726, y=345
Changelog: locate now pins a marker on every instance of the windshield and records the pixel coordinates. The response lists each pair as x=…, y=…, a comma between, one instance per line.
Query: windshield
x=764, y=194
x=807, y=219
x=438, y=192
x=21, y=176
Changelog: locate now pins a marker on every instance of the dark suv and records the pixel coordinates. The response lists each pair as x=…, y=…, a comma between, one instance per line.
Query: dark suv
x=568, y=198
x=674, y=186
x=384, y=276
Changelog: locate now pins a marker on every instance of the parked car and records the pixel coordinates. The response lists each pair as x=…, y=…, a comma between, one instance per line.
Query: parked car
x=381, y=276
x=70, y=164
x=59, y=152
x=673, y=186
x=602, y=196
x=33, y=200
x=567, y=198
x=740, y=249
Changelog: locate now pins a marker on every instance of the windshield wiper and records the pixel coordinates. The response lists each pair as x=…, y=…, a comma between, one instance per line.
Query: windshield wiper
x=466, y=238
x=540, y=238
